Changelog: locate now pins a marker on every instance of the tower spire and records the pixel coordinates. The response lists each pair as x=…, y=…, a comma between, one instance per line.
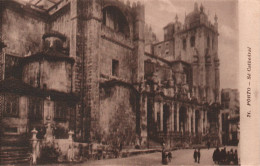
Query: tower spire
x=201, y=7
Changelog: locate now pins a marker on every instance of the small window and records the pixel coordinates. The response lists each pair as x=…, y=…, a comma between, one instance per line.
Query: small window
x=11, y=105
x=212, y=42
x=184, y=44
x=115, y=67
x=167, y=52
x=192, y=41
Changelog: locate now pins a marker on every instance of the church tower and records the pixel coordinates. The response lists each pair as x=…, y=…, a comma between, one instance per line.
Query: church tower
x=198, y=45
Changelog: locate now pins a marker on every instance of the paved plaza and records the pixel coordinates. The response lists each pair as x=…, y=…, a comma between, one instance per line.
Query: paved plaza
x=180, y=157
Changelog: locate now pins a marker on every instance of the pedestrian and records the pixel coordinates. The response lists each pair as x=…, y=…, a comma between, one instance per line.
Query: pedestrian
x=169, y=156
x=218, y=155
x=199, y=155
x=214, y=156
x=164, y=154
x=195, y=155
x=208, y=144
x=235, y=158
x=164, y=157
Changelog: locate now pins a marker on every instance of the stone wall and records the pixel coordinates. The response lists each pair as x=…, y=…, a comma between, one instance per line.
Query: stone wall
x=19, y=122
x=166, y=50
x=62, y=25
x=118, y=113
x=21, y=33
x=111, y=51
x=53, y=75
x=57, y=76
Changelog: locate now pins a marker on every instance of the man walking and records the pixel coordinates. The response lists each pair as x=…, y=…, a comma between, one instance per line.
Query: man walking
x=199, y=155
x=195, y=155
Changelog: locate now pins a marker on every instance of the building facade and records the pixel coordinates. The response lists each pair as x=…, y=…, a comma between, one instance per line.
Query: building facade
x=82, y=66
x=229, y=116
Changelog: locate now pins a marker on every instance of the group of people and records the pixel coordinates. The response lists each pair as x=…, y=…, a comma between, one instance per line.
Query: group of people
x=166, y=155
x=196, y=155
x=225, y=157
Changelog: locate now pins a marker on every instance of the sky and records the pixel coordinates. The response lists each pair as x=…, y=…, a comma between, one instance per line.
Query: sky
x=159, y=13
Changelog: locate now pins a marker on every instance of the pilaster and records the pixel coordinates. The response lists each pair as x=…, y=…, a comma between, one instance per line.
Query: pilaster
x=91, y=15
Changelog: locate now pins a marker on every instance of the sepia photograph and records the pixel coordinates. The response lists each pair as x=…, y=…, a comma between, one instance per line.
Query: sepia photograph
x=119, y=82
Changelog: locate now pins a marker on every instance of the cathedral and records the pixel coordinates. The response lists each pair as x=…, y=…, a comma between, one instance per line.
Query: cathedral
x=92, y=68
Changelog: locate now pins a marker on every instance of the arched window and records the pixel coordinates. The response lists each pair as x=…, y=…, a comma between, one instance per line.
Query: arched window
x=114, y=19
x=192, y=41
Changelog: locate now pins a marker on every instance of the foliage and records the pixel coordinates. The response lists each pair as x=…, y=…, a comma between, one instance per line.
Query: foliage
x=122, y=128
x=49, y=153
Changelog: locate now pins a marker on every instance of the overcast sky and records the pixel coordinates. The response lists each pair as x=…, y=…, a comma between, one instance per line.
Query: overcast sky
x=160, y=12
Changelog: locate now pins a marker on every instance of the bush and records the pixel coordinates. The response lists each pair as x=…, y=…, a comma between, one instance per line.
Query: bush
x=49, y=154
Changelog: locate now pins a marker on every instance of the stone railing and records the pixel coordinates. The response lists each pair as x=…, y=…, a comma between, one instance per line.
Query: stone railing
x=66, y=149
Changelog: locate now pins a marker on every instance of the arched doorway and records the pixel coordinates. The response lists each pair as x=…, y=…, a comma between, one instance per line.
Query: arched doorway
x=166, y=114
x=182, y=119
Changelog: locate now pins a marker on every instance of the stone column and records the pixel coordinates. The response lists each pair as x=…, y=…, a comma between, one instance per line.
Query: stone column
x=161, y=114
x=155, y=111
x=193, y=115
x=206, y=121
x=220, y=128
x=187, y=121
x=201, y=121
x=190, y=120
x=178, y=117
x=139, y=45
x=172, y=117
x=143, y=118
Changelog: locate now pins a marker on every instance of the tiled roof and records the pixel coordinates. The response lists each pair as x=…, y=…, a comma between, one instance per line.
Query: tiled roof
x=13, y=85
x=49, y=55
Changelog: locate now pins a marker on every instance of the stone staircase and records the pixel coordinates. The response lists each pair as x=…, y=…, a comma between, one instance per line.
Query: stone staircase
x=14, y=155
x=14, y=150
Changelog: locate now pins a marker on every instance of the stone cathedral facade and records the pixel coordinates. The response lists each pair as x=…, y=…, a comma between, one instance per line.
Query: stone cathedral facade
x=82, y=66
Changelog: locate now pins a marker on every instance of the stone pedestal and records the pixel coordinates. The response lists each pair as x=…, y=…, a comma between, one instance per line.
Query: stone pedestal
x=34, y=145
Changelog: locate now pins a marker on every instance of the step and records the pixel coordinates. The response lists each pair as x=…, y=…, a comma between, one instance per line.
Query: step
x=27, y=160
x=12, y=148
x=14, y=158
x=6, y=155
